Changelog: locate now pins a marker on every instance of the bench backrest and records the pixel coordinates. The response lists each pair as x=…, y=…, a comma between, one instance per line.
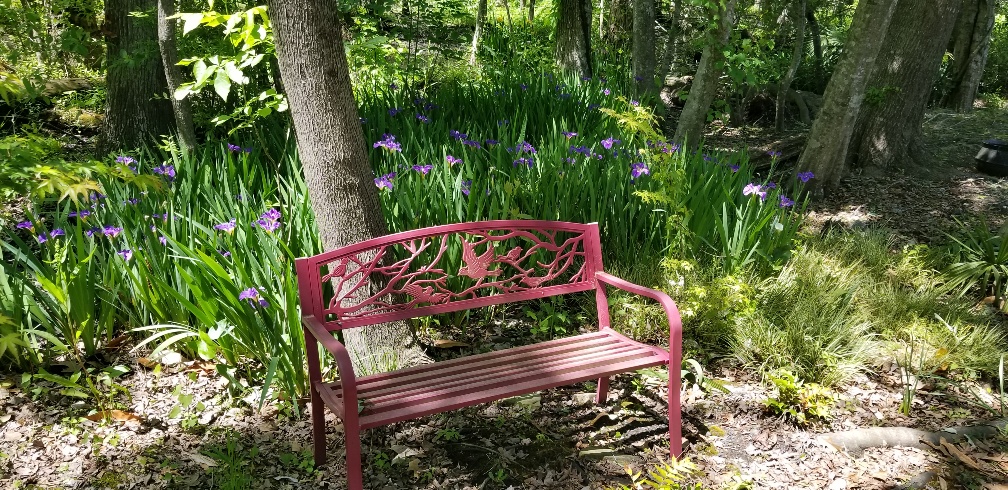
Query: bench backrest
x=448, y=268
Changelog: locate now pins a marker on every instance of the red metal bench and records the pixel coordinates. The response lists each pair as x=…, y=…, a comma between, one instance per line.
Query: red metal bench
x=450, y=268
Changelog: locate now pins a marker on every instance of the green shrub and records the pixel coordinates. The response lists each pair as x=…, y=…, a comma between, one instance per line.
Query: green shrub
x=807, y=320
x=979, y=261
x=798, y=401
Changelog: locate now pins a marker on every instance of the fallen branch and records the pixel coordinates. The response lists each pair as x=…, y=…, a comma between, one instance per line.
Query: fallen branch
x=856, y=441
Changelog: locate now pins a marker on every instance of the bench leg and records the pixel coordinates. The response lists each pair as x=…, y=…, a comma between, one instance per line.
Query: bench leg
x=354, y=470
x=674, y=415
x=318, y=427
x=602, y=392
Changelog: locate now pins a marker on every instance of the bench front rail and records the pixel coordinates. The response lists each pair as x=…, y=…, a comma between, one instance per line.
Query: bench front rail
x=451, y=268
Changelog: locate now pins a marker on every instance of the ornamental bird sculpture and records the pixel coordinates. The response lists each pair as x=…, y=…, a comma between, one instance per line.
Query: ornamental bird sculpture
x=423, y=294
x=477, y=267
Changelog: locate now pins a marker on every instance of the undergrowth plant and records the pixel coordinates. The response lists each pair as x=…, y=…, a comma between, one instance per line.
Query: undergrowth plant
x=798, y=401
x=980, y=261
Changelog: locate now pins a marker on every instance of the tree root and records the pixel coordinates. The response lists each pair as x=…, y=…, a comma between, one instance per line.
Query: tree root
x=856, y=441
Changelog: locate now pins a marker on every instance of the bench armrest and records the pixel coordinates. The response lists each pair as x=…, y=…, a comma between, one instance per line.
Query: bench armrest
x=671, y=312
x=348, y=378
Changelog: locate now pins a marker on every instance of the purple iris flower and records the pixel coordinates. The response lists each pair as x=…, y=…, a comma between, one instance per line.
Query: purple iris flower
x=42, y=238
x=393, y=86
x=168, y=171
x=490, y=142
x=806, y=176
x=569, y=134
x=523, y=161
x=774, y=154
x=771, y=185
x=570, y=160
x=466, y=185
x=127, y=161
x=422, y=118
x=634, y=103
x=734, y=168
x=57, y=232
x=79, y=214
x=503, y=122
x=393, y=111
x=584, y=150
x=254, y=299
x=388, y=142
x=111, y=231
x=233, y=148
x=126, y=254
x=605, y=91
x=452, y=160
x=131, y=201
x=385, y=181
x=163, y=240
x=423, y=169
x=270, y=220
x=90, y=232
x=472, y=143
x=224, y=253
x=638, y=169
x=754, y=189
x=785, y=202
x=228, y=226
x=25, y=225
x=524, y=87
x=609, y=142
x=456, y=135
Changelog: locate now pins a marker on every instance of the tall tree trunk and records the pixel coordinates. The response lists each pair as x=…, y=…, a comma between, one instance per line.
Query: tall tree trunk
x=644, y=43
x=888, y=128
x=691, y=124
x=816, y=33
x=137, y=113
x=332, y=149
x=531, y=10
x=480, y=18
x=671, y=40
x=573, y=38
x=620, y=22
x=169, y=56
x=825, y=154
x=970, y=45
x=798, y=21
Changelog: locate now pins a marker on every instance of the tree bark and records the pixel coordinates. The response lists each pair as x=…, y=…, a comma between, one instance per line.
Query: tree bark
x=169, y=56
x=331, y=145
x=138, y=113
x=888, y=128
x=671, y=41
x=620, y=22
x=798, y=20
x=970, y=45
x=531, y=10
x=644, y=43
x=691, y=124
x=480, y=18
x=825, y=154
x=573, y=38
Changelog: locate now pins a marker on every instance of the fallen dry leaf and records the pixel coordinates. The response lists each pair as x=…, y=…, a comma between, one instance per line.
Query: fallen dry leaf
x=961, y=456
x=147, y=363
x=448, y=344
x=116, y=415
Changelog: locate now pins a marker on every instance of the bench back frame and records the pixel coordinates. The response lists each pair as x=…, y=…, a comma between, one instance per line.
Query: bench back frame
x=510, y=277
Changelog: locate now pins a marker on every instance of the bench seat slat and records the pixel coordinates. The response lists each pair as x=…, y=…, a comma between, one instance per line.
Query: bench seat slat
x=523, y=366
x=435, y=374
x=494, y=375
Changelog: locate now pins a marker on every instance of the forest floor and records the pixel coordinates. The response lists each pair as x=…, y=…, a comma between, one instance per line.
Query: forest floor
x=178, y=427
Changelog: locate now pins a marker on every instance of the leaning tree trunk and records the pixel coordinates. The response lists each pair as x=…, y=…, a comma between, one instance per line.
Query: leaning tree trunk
x=573, y=39
x=480, y=18
x=825, y=154
x=798, y=20
x=970, y=45
x=644, y=43
x=689, y=130
x=671, y=41
x=137, y=114
x=816, y=33
x=888, y=128
x=169, y=56
x=331, y=145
